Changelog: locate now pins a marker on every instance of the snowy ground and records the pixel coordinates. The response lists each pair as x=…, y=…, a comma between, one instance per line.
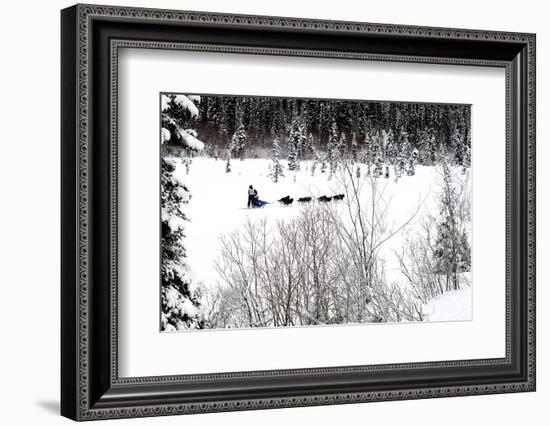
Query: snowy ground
x=218, y=205
x=454, y=305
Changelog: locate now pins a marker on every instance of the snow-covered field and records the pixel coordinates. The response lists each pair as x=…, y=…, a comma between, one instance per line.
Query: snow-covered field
x=219, y=205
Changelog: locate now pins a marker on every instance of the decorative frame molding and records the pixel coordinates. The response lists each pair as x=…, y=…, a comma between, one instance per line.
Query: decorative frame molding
x=91, y=37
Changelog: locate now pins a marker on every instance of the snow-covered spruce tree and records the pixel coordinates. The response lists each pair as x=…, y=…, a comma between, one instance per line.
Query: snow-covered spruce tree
x=179, y=299
x=325, y=116
x=323, y=162
x=377, y=171
x=278, y=122
x=308, y=146
x=467, y=154
x=452, y=250
x=377, y=148
x=367, y=146
x=432, y=151
x=426, y=148
x=402, y=150
x=295, y=143
x=332, y=149
x=387, y=147
x=292, y=157
x=276, y=168
x=367, y=154
x=342, y=146
x=222, y=131
x=237, y=147
x=354, y=147
x=228, y=164
x=458, y=147
x=411, y=165
x=317, y=160
x=302, y=141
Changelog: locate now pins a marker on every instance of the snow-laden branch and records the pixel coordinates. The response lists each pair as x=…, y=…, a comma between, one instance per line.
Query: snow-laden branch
x=186, y=102
x=190, y=141
x=165, y=135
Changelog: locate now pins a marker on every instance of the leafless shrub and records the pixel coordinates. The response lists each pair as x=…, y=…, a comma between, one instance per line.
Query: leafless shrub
x=417, y=264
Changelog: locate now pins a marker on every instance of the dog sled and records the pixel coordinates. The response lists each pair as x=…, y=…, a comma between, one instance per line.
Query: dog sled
x=259, y=203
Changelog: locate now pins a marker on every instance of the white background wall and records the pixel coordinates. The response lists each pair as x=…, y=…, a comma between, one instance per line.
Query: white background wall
x=29, y=211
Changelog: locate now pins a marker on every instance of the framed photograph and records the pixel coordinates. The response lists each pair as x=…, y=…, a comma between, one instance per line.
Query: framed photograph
x=263, y=212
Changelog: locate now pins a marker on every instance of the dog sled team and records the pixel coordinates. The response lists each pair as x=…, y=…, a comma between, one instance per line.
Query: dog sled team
x=288, y=200
x=254, y=201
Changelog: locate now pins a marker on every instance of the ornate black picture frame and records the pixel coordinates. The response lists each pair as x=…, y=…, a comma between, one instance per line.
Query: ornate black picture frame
x=91, y=387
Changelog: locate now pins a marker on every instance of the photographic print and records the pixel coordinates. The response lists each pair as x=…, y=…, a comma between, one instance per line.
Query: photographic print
x=281, y=212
